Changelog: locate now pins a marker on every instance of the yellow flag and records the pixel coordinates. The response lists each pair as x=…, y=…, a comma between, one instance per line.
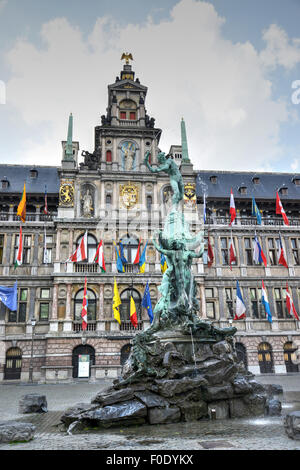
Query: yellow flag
x=116, y=303
x=22, y=206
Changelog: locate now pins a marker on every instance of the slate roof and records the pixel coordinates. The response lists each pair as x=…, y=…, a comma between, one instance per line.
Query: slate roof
x=266, y=189
x=17, y=174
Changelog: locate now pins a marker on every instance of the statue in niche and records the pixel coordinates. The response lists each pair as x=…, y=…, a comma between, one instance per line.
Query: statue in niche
x=128, y=156
x=87, y=204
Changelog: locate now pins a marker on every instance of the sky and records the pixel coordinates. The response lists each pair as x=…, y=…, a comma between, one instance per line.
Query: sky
x=230, y=68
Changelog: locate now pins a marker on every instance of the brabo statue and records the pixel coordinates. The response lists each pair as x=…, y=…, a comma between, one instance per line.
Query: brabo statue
x=176, y=314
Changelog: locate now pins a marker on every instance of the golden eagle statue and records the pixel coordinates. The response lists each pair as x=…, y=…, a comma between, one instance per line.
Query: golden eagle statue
x=127, y=56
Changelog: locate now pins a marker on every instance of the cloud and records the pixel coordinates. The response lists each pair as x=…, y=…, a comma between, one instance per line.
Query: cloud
x=3, y=4
x=221, y=88
x=280, y=50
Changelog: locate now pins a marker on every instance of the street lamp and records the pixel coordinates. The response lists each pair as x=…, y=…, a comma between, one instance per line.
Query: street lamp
x=31, y=357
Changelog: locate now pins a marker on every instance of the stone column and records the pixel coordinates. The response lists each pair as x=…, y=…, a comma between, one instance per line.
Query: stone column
x=53, y=319
x=68, y=319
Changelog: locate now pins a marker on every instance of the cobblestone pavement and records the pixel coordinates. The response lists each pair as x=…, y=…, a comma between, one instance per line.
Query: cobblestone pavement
x=263, y=433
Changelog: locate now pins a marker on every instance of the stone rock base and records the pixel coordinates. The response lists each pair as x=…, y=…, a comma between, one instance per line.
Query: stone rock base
x=292, y=425
x=33, y=403
x=13, y=431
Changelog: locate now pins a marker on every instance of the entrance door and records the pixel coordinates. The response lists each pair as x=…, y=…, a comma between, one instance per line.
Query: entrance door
x=82, y=351
x=265, y=358
x=13, y=364
x=290, y=357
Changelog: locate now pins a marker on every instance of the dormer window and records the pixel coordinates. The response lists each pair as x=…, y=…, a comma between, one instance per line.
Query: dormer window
x=213, y=179
x=296, y=180
x=243, y=189
x=33, y=173
x=256, y=180
x=4, y=183
x=283, y=191
x=128, y=110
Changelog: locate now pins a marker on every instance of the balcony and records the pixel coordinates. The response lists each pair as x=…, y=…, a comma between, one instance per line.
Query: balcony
x=128, y=122
x=77, y=327
x=266, y=221
x=128, y=326
x=30, y=217
x=86, y=268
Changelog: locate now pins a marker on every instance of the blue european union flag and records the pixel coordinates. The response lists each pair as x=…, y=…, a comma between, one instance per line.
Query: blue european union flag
x=8, y=296
x=124, y=260
x=120, y=266
x=146, y=302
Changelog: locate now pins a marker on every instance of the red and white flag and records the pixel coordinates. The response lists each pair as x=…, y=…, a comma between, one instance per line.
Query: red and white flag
x=281, y=254
x=232, y=255
x=80, y=254
x=84, y=307
x=290, y=304
x=210, y=253
x=280, y=209
x=232, y=210
x=46, y=204
x=19, y=258
x=99, y=257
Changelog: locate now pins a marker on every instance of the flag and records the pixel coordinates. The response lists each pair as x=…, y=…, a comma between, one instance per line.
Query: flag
x=9, y=296
x=46, y=204
x=124, y=260
x=46, y=258
x=80, y=254
x=146, y=302
x=19, y=258
x=210, y=253
x=281, y=254
x=120, y=266
x=133, y=315
x=232, y=210
x=232, y=256
x=280, y=210
x=256, y=212
x=116, y=303
x=137, y=258
x=265, y=302
x=290, y=304
x=142, y=263
x=99, y=257
x=21, y=211
x=204, y=208
x=240, y=308
x=84, y=307
x=163, y=263
x=258, y=254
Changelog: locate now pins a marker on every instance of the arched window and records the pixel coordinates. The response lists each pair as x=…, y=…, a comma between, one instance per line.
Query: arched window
x=13, y=364
x=108, y=156
x=128, y=110
x=91, y=247
x=83, y=354
x=91, y=309
x=125, y=308
x=130, y=248
x=290, y=357
x=241, y=354
x=265, y=358
x=125, y=352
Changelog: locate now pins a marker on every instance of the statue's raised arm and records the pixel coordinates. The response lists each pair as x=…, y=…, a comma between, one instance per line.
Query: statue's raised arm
x=170, y=167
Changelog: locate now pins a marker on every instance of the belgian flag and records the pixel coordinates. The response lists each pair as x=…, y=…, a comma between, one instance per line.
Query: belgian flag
x=133, y=314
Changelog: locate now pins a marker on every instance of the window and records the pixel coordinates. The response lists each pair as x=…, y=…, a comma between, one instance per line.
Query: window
x=108, y=156
x=130, y=248
x=1, y=248
x=91, y=247
x=149, y=203
x=210, y=303
x=132, y=116
x=248, y=251
x=230, y=294
x=265, y=358
x=213, y=179
x=20, y=315
x=125, y=306
x=108, y=199
x=256, y=305
x=122, y=114
x=91, y=309
x=243, y=190
x=33, y=173
x=225, y=255
x=4, y=183
x=44, y=304
x=128, y=110
x=295, y=250
x=256, y=180
x=26, y=248
x=272, y=250
x=296, y=181
x=47, y=254
x=284, y=191
x=280, y=304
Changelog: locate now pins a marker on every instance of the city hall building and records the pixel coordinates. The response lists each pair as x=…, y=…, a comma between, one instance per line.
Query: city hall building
x=110, y=194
